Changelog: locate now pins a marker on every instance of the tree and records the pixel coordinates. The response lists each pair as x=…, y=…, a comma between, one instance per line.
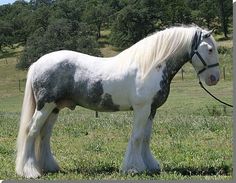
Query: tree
x=37, y=3
x=173, y=12
x=116, y=5
x=58, y=36
x=208, y=12
x=129, y=20
x=225, y=12
x=41, y=17
x=132, y=23
x=97, y=14
x=6, y=34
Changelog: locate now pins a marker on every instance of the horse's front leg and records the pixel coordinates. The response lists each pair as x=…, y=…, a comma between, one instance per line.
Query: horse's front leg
x=133, y=161
x=150, y=162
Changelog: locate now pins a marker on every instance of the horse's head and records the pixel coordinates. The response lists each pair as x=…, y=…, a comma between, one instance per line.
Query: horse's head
x=205, y=58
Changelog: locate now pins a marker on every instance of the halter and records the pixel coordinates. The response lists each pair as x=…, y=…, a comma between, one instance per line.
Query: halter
x=204, y=63
x=196, y=43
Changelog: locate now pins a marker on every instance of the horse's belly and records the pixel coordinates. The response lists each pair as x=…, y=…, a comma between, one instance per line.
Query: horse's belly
x=105, y=103
x=96, y=94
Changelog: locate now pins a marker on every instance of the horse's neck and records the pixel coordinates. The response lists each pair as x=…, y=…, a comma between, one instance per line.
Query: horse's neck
x=174, y=64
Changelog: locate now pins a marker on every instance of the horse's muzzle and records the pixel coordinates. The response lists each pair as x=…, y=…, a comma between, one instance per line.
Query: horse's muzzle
x=212, y=79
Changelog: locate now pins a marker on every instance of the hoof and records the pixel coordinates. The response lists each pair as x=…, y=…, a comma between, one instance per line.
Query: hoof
x=31, y=171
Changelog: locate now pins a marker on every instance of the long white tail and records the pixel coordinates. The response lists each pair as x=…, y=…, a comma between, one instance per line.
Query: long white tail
x=28, y=109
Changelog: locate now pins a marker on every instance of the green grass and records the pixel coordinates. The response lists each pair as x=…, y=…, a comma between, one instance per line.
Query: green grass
x=192, y=134
x=187, y=139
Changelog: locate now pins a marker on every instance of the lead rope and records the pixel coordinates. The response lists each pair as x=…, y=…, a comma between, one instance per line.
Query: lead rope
x=214, y=96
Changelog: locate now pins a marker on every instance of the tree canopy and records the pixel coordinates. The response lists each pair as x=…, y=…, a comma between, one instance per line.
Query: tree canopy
x=42, y=26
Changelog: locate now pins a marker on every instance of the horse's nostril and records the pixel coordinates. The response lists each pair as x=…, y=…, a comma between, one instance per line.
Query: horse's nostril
x=213, y=78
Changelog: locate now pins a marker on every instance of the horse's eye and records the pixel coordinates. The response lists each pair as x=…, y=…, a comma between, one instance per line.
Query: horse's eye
x=210, y=50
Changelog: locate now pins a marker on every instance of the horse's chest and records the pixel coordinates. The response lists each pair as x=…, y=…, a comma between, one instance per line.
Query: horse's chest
x=162, y=94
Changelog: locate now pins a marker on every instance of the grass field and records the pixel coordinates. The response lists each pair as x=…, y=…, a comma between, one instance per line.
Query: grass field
x=192, y=135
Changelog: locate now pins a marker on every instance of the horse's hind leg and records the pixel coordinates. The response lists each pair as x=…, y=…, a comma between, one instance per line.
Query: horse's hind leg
x=31, y=168
x=45, y=157
x=150, y=162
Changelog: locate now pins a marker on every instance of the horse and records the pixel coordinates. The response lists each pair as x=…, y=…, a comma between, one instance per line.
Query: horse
x=136, y=79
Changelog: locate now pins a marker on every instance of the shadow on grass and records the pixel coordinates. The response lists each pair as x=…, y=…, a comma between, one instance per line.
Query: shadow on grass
x=202, y=171
x=224, y=170
x=92, y=171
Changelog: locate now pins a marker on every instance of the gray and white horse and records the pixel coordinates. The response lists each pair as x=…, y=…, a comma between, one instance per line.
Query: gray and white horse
x=137, y=79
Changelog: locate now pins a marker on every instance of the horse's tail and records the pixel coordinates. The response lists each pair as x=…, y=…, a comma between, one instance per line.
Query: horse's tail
x=28, y=109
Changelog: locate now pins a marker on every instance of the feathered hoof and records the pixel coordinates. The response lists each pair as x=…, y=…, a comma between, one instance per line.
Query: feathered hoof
x=30, y=171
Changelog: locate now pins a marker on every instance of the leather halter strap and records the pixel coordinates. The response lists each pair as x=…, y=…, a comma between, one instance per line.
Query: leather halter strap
x=197, y=40
x=204, y=63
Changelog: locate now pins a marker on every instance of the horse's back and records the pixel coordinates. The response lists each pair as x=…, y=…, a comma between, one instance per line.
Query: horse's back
x=50, y=59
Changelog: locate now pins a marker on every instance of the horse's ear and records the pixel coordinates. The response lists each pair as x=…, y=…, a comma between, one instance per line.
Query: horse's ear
x=208, y=33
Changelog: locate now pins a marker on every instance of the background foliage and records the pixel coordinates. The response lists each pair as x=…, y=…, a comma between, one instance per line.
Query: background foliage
x=42, y=26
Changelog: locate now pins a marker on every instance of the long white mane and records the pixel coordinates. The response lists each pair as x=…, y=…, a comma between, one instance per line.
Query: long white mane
x=155, y=49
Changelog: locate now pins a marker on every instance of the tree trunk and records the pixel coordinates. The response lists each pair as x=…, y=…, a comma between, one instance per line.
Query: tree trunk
x=224, y=22
x=99, y=31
